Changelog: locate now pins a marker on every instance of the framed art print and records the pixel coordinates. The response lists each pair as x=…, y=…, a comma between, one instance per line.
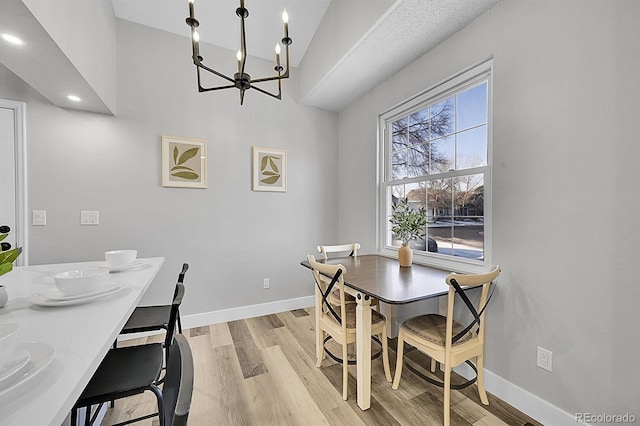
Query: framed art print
x=184, y=162
x=269, y=169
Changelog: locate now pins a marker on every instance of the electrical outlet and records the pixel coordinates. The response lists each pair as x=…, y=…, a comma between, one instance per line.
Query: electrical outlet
x=545, y=359
x=39, y=218
x=265, y=283
x=88, y=217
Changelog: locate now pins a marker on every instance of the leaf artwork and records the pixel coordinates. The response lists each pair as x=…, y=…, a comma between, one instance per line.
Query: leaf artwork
x=179, y=159
x=269, y=168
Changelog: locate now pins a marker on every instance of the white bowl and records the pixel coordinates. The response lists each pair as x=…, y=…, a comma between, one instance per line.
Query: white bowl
x=81, y=281
x=120, y=257
x=7, y=341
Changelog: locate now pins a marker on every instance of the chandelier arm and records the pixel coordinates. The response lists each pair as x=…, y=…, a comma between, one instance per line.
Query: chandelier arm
x=201, y=65
x=278, y=96
x=263, y=79
x=209, y=89
x=243, y=44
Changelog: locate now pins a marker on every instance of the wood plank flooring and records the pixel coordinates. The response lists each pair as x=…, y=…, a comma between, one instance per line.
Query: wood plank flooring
x=261, y=371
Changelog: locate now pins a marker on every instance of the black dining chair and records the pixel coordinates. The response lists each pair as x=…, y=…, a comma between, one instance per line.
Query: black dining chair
x=134, y=370
x=154, y=318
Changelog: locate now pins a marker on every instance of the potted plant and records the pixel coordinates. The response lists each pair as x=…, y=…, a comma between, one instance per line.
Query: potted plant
x=7, y=257
x=408, y=223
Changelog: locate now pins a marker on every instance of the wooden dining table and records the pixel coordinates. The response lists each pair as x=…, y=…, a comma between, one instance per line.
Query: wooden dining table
x=375, y=276
x=75, y=337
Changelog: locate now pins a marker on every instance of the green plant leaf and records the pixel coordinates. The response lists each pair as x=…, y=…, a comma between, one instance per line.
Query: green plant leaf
x=5, y=267
x=263, y=163
x=181, y=168
x=10, y=255
x=273, y=164
x=175, y=154
x=188, y=154
x=186, y=175
x=268, y=173
x=270, y=180
x=3, y=236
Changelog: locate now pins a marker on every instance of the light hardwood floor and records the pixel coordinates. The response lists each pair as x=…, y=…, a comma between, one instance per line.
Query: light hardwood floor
x=261, y=371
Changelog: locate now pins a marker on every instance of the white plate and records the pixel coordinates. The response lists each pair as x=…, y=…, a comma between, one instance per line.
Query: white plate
x=133, y=265
x=58, y=296
x=41, y=356
x=41, y=300
x=14, y=366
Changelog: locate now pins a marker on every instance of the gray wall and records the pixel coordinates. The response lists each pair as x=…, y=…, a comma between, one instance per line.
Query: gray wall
x=565, y=155
x=231, y=236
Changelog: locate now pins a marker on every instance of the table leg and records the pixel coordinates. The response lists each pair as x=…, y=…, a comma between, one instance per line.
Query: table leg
x=363, y=351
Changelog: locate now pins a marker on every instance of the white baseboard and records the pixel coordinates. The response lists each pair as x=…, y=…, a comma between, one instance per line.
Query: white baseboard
x=530, y=404
x=243, y=312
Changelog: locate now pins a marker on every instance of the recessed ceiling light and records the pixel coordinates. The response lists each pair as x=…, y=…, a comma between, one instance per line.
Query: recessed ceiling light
x=73, y=98
x=12, y=39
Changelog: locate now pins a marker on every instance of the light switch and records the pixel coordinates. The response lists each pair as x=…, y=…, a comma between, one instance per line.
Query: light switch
x=39, y=218
x=89, y=217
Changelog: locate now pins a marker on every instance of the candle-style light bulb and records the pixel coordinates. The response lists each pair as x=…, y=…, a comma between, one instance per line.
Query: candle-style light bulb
x=190, y=1
x=239, y=57
x=196, y=36
x=285, y=19
x=277, y=56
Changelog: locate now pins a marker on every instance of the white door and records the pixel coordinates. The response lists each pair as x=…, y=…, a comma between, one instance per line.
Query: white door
x=12, y=174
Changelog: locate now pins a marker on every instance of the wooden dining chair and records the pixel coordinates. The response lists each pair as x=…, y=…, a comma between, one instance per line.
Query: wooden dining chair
x=339, y=321
x=133, y=370
x=448, y=342
x=343, y=250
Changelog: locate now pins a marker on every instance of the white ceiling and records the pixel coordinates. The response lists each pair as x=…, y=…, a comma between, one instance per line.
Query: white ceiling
x=219, y=24
x=405, y=31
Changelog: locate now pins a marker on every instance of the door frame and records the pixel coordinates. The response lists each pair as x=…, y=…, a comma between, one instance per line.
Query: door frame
x=20, y=158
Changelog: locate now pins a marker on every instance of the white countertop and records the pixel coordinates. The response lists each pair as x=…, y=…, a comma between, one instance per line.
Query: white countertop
x=80, y=334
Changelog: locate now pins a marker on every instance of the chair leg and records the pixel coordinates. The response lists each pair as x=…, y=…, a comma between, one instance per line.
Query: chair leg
x=158, y=393
x=447, y=394
x=399, y=359
x=385, y=354
x=481, y=390
x=319, y=347
x=345, y=370
x=434, y=365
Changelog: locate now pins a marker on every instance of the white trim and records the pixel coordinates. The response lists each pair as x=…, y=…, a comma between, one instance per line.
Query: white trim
x=521, y=399
x=243, y=312
x=233, y=314
x=20, y=139
x=481, y=71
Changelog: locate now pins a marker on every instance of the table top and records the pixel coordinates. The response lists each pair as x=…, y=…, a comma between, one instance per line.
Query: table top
x=383, y=278
x=80, y=334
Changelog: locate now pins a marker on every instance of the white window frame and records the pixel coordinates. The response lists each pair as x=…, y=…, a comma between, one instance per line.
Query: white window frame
x=471, y=76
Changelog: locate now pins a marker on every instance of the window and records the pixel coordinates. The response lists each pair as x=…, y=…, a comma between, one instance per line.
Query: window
x=436, y=153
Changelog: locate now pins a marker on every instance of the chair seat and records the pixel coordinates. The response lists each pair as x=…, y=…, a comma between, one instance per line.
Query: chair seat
x=148, y=318
x=376, y=317
x=123, y=370
x=433, y=327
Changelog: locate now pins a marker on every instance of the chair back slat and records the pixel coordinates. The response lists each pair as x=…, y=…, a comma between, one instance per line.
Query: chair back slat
x=326, y=278
x=351, y=249
x=177, y=391
x=457, y=281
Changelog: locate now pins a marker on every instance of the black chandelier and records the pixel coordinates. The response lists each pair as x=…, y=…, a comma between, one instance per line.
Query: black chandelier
x=240, y=80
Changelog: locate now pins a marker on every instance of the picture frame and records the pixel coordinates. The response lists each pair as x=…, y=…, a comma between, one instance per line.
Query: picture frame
x=269, y=169
x=184, y=162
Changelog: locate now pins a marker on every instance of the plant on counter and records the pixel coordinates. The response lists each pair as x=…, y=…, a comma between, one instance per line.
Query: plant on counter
x=7, y=254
